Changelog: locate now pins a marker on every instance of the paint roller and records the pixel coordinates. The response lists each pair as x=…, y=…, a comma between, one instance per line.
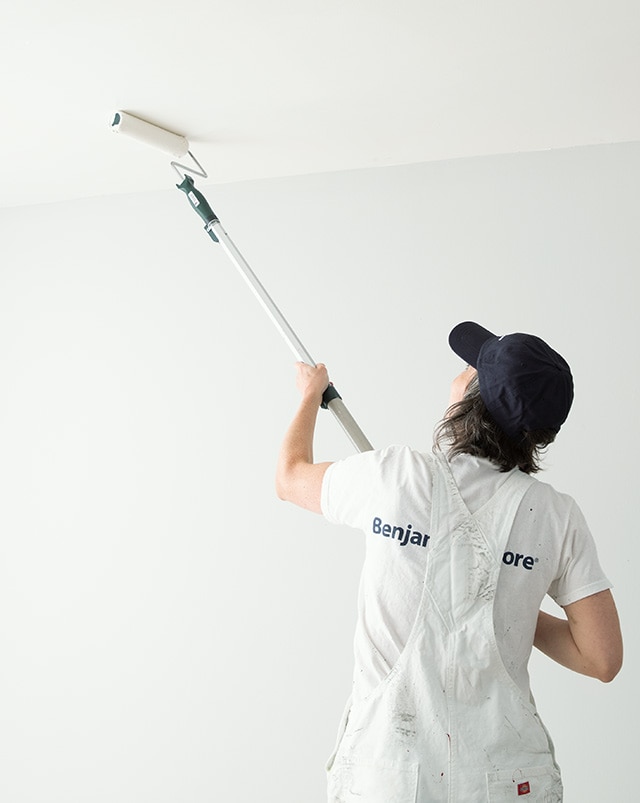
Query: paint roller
x=150, y=134
x=178, y=146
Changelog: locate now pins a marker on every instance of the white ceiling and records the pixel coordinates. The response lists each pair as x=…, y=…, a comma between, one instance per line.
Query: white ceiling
x=284, y=87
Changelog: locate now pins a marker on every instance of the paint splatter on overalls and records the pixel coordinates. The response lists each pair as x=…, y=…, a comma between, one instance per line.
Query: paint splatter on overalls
x=448, y=723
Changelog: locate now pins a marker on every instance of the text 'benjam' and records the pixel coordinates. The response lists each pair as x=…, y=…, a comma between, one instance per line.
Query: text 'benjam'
x=407, y=535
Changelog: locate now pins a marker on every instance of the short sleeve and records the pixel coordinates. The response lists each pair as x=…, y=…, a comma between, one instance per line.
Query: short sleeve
x=353, y=488
x=580, y=572
x=349, y=486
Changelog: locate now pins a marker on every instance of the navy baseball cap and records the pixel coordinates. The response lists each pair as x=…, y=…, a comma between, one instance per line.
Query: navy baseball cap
x=524, y=383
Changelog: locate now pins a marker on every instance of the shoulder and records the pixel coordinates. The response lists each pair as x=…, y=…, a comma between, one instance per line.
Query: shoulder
x=359, y=481
x=392, y=460
x=555, y=503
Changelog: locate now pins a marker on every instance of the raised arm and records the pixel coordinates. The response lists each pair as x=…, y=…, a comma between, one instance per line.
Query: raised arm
x=298, y=478
x=588, y=641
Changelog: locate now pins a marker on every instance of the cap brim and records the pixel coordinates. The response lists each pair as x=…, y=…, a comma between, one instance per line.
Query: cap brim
x=467, y=338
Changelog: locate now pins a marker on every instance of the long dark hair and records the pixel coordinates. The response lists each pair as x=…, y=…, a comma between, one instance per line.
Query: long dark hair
x=468, y=428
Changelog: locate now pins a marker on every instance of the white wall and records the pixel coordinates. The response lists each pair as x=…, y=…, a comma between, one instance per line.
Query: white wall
x=169, y=631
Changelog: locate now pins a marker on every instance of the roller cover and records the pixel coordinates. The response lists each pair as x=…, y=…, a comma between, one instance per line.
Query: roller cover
x=150, y=134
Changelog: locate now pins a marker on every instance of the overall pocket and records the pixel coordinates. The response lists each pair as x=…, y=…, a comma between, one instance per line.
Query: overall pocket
x=527, y=785
x=391, y=782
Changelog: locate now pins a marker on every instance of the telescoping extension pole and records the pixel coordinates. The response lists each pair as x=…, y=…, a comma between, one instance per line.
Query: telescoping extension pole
x=331, y=399
x=178, y=146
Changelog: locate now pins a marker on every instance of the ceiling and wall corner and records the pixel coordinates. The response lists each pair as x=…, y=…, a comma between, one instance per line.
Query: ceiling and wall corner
x=279, y=89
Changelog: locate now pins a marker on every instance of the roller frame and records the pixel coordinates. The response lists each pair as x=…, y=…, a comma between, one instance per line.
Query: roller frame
x=178, y=146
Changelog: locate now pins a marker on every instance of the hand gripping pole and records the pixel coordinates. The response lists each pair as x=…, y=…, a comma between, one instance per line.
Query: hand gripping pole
x=331, y=399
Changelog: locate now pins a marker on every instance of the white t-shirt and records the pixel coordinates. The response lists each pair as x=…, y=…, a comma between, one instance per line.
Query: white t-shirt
x=387, y=494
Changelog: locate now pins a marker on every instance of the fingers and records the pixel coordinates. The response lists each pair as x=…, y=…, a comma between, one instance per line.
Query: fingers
x=312, y=379
x=311, y=370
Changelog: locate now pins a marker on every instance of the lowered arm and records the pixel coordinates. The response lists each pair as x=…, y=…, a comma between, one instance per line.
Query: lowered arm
x=588, y=641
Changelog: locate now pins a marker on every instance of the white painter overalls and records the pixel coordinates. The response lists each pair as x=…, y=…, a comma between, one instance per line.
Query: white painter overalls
x=448, y=723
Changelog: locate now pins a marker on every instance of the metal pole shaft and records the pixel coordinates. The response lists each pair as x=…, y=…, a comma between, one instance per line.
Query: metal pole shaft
x=337, y=406
x=349, y=425
x=261, y=294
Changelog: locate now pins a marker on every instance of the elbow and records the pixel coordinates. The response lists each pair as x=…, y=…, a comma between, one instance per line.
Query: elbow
x=609, y=671
x=281, y=491
x=283, y=484
x=607, y=677
x=608, y=666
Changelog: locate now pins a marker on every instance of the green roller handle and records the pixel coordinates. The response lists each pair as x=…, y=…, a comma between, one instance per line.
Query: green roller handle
x=200, y=204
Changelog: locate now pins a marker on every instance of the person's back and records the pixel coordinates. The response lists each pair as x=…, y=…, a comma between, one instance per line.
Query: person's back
x=462, y=546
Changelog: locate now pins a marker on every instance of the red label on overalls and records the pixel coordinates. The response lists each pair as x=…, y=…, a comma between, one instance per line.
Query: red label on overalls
x=524, y=788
